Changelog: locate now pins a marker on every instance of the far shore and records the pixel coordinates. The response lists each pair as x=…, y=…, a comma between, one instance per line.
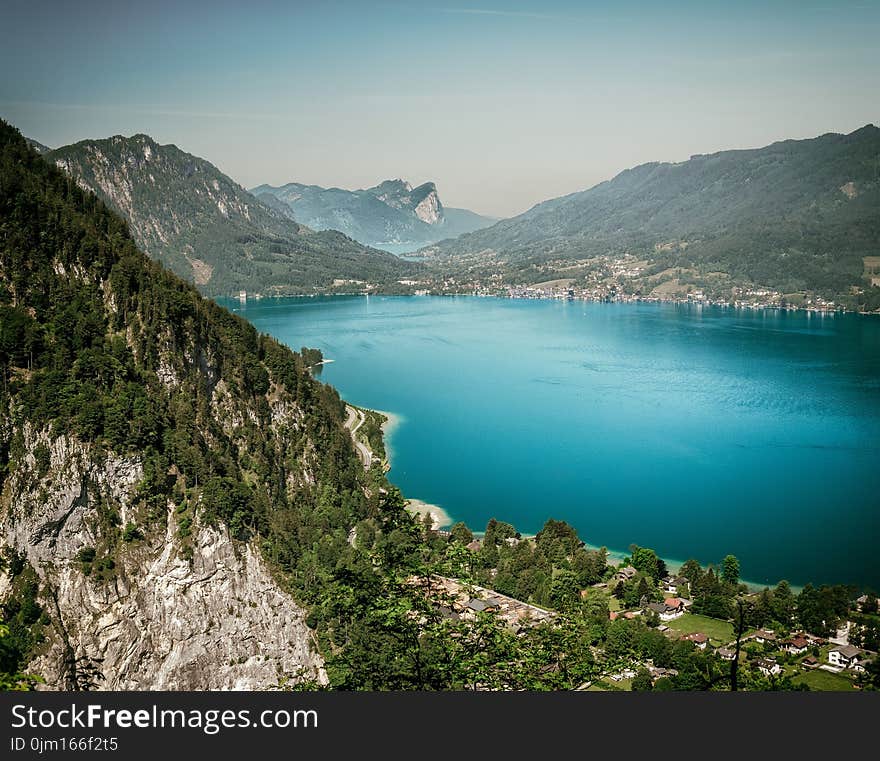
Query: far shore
x=633, y=300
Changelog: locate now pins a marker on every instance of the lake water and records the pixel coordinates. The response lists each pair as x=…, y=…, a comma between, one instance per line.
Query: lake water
x=697, y=431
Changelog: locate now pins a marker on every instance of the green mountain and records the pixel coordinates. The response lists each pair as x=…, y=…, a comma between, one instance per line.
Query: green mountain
x=392, y=215
x=187, y=214
x=795, y=214
x=163, y=467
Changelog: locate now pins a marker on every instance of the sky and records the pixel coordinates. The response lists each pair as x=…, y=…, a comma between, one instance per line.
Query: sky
x=501, y=104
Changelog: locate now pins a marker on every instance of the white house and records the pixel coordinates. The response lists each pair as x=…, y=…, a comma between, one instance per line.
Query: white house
x=671, y=608
x=764, y=635
x=862, y=603
x=847, y=657
x=796, y=645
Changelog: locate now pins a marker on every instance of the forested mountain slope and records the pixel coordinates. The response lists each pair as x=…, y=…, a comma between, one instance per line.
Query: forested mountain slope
x=795, y=214
x=166, y=472
x=187, y=214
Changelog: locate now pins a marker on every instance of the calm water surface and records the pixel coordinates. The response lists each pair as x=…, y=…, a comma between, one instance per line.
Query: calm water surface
x=695, y=431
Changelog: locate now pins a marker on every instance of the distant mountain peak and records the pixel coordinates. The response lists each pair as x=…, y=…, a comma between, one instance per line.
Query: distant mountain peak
x=392, y=215
x=869, y=131
x=391, y=186
x=423, y=201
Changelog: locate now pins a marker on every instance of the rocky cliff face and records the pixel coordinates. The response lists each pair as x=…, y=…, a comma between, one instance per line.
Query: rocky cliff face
x=423, y=201
x=428, y=208
x=200, y=614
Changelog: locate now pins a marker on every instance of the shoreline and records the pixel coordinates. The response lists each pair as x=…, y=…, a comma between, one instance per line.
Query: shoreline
x=392, y=422
x=443, y=519
x=616, y=557
x=418, y=507
x=639, y=300
x=674, y=565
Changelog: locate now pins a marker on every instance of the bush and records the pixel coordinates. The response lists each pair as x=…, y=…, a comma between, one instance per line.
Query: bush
x=43, y=458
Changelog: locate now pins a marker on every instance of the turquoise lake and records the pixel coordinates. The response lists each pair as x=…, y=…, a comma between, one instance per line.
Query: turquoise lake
x=697, y=431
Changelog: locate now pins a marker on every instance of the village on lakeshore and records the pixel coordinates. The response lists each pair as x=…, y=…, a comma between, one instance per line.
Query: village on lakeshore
x=614, y=279
x=837, y=658
x=820, y=639
x=630, y=279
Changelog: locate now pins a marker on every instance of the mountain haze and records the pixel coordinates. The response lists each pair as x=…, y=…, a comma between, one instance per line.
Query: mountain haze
x=794, y=214
x=392, y=215
x=206, y=228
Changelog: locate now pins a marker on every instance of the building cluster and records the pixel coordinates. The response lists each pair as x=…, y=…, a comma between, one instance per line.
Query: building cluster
x=765, y=650
x=460, y=601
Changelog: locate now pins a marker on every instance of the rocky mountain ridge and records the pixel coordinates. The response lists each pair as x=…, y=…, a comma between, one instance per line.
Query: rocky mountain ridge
x=392, y=215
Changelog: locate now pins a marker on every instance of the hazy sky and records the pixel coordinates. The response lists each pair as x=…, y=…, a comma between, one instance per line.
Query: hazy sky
x=502, y=104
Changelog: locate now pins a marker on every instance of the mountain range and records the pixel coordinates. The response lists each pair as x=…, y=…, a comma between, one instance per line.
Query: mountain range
x=184, y=212
x=795, y=214
x=393, y=215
